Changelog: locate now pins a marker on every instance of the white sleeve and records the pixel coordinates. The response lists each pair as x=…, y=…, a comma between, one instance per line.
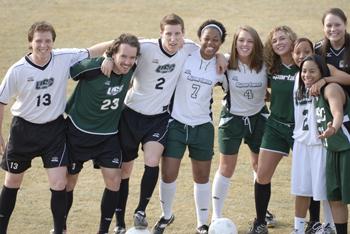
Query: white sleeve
x=8, y=87
x=189, y=46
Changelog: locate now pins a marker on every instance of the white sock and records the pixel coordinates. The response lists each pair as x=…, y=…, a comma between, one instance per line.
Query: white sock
x=201, y=194
x=219, y=193
x=299, y=224
x=166, y=195
x=254, y=176
x=327, y=214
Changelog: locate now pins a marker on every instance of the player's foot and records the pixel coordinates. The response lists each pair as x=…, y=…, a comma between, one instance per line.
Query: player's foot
x=313, y=228
x=258, y=228
x=119, y=230
x=327, y=229
x=270, y=219
x=52, y=231
x=202, y=229
x=162, y=224
x=140, y=221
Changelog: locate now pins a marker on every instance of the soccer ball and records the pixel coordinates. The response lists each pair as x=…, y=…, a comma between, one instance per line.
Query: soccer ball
x=133, y=230
x=222, y=226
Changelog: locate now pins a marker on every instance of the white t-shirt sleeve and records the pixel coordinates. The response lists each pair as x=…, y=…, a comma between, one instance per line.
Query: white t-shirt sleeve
x=8, y=87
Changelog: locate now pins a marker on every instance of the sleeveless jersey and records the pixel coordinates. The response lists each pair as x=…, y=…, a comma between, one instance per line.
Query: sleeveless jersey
x=335, y=58
x=193, y=95
x=282, y=84
x=305, y=128
x=40, y=91
x=97, y=101
x=341, y=140
x=246, y=90
x=155, y=77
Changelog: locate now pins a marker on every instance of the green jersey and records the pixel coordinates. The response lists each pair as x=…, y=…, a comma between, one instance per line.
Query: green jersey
x=341, y=140
x=282, y=84
x=96, y=103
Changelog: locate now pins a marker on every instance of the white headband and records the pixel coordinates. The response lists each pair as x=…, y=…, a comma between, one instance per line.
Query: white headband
x=212, y=26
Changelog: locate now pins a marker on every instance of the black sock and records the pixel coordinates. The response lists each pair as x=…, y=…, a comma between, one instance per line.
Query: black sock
x=108, y=205
x=122, y=200
x=69, y=205
x=7, y=204
x=262, y=199
x=58, y=209
x=148, y=183
x=314, y=210
x=342, y=228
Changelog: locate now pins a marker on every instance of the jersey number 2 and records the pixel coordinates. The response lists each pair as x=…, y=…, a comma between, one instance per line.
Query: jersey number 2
x=160, y=82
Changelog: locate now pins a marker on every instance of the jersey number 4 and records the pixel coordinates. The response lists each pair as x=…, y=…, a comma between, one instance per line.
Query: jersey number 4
x=110, y=104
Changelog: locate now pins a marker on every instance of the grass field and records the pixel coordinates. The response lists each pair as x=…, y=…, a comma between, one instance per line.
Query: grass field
x=81, y=23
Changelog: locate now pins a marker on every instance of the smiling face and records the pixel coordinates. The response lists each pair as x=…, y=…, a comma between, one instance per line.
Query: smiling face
x=41, y=45
x=244, y=45
x=210, y=41
x=301, y=51
x=172, y=37
x=310, y=73
x=281, y=43
x=334, y=29
x=124, y=59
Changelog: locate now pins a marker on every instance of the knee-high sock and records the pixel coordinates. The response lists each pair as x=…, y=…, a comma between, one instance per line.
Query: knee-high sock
x=262, y=199
x=314, y=210
x=219, y=192
x=122, y=200
x=108, y=205
x=7, y=204
x=148, y=183
x=58, y=208
x=69, y=205
x=327, y=213
x=166, y=195
x=202, y=202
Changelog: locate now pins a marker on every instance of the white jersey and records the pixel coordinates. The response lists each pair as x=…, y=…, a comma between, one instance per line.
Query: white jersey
x=155, y=77
x=246, y=90
x=305, y=129
x=193, y=94
x=40, y=92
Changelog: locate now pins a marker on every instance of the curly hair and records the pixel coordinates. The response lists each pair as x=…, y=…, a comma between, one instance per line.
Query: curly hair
x=124, y=38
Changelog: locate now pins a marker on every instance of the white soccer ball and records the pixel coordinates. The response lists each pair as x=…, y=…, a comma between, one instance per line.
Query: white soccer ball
x=222, y=226
x=133, y=230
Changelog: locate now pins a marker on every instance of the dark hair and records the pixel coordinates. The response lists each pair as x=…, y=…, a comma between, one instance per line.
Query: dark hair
x=304, y=39
x=41, y=26
x=216, y=23
x=326, y=44
x=124, y=38
x=322, y=66
x=256, y=57
x=172, y=19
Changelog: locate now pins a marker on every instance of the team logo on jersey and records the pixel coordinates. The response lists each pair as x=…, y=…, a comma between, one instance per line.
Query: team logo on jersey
x=155, y=61
x=234, y=78
x=112, y=91
x=45, y=83
x=108, y=82
x=165, y=68
x=284, y=77
x=30, y=79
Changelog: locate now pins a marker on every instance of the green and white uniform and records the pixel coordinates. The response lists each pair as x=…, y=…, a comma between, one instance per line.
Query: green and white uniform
x=279, y=126
x=338, y=151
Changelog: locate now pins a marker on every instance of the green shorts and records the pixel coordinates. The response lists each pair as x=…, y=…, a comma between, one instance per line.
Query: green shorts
x=234, y=128
x=338, y=175
x=278, y=137
x=199, y=139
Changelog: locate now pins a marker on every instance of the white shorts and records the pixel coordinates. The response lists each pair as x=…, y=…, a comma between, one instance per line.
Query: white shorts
x=309, y=171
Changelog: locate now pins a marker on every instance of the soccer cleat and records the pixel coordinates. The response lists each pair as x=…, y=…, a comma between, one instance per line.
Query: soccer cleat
x=162, y=224
x=313, y=228
x=270, y=219
x=327, y=229
x=52, y=231
x=119, y=230
x=202, y=229
x=140, y=221
x=258, y=228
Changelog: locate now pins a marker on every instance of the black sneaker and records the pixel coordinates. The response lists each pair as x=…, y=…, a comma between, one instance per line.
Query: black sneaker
x=270, y=219
x=202, y=229
x=162, y=224
x=313, y=227
x=258, y=228
x=140, y=221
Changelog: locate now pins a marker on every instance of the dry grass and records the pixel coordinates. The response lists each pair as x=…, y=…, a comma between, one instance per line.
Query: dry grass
x=81, y=23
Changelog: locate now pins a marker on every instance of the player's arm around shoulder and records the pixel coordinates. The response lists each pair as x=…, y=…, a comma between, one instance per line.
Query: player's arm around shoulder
x=336, y=97
x=86, y=67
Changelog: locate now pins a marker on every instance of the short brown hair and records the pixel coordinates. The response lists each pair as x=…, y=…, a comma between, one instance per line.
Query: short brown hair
x=124, y=38
x=172, y=19
x=41, y=26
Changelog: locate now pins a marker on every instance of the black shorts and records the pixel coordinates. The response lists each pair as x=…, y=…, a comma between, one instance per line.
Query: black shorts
x=104, y=150
x=136, y=128
x=29, y=140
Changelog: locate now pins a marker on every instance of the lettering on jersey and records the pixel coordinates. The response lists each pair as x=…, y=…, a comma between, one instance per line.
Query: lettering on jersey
x=248, y=85
x=44, y=84
x=321, y=117
x=190, y=77
x=284, y=77
x=30, y=79
x=112, y=91
x=166, y=68
x=303, y=101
